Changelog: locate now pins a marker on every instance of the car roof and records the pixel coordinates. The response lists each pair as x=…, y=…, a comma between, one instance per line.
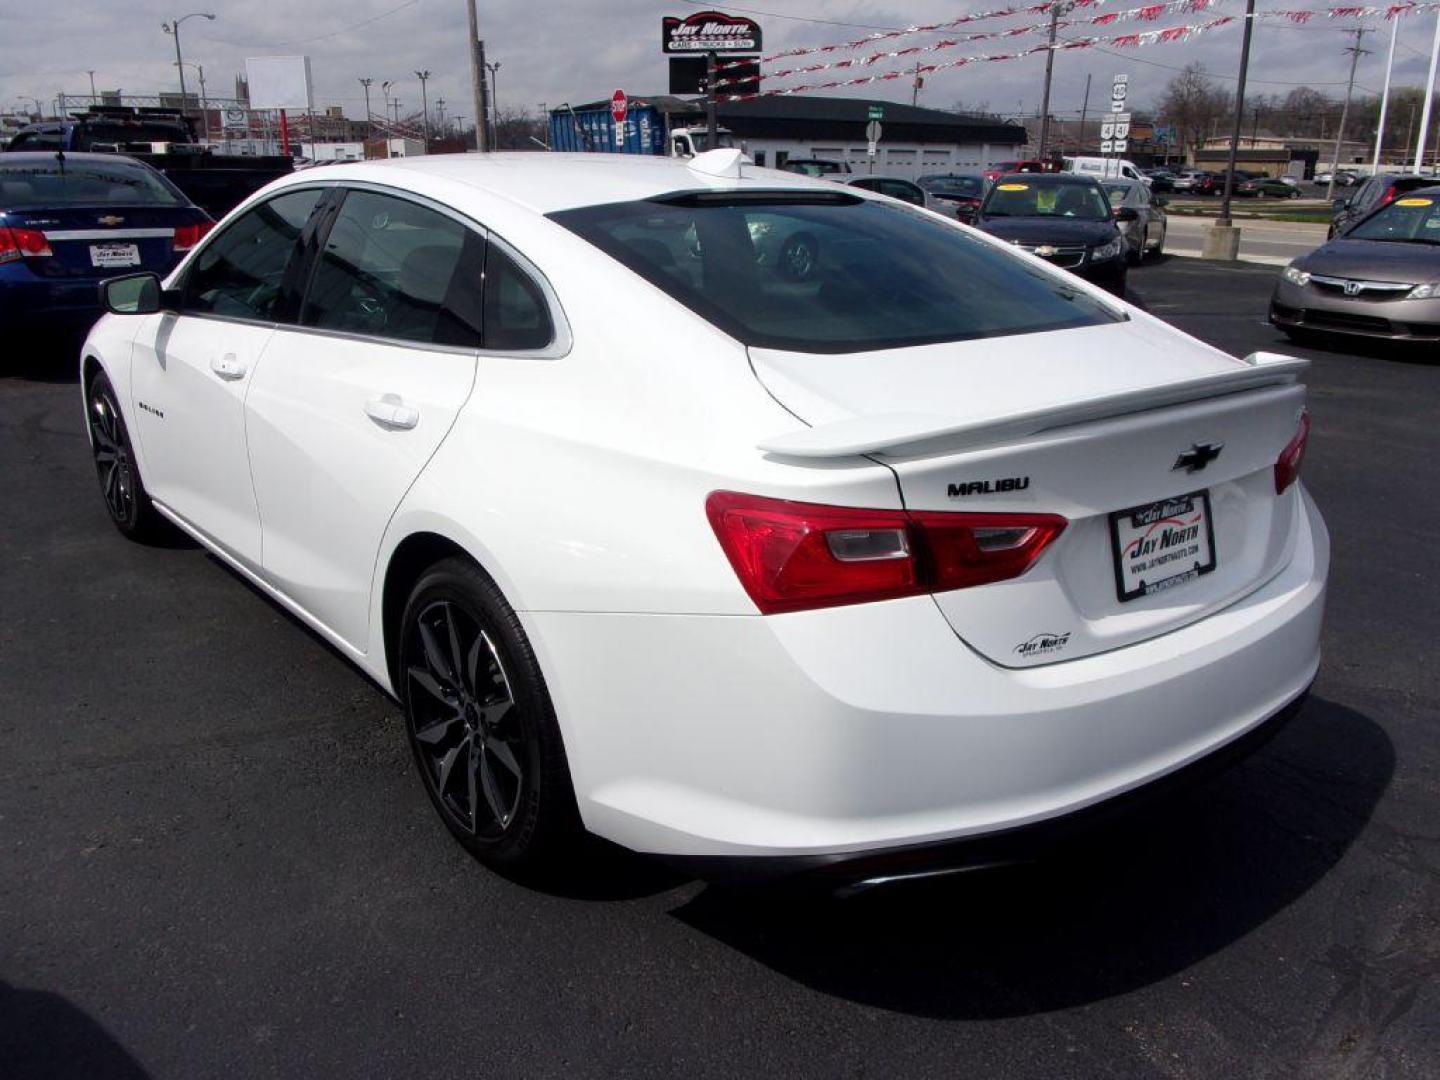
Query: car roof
x=35, y=157
x=548, y=182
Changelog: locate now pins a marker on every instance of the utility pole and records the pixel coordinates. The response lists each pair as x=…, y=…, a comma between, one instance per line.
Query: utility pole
x=1055, y=12
x=1355, y=52
x=369, y=124
x=1223, y=241
x=93, y=100
x=915, y=86
x=173, y=29
x=385, y=91
x=477, y=76
x=395, y=105
x=1429, y=97
x=440, y=110
x=1084, y=109
x=711, y=124
x=1385, y=98
x=424, y=77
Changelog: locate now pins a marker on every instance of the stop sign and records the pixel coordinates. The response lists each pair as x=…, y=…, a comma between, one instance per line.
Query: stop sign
x=619, y=106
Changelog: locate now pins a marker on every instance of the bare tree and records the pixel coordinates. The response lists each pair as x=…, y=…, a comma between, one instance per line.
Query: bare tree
x=1192, y=104
x=519, y=129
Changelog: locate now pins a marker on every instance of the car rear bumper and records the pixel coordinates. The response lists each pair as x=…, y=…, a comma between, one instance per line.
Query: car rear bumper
x=1304, y=308
x=832, y=735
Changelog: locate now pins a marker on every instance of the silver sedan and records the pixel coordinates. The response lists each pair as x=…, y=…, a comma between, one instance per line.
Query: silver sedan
x=1139, y=215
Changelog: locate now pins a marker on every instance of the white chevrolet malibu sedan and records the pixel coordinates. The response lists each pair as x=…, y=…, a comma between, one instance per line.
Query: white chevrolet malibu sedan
x=724, y=513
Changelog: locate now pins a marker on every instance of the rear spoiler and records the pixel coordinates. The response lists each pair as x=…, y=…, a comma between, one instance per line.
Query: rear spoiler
x=889, y=432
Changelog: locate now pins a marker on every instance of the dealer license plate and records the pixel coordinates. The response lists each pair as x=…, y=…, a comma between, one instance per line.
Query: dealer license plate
x=1162, y=544
x=109, y=255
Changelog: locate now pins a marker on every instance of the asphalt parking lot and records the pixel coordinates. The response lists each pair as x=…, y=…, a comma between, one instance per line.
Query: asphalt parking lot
x=215, y=859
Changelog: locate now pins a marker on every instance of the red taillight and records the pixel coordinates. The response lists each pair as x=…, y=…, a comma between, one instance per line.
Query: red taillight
x=18, y=243
x=1287, y=466
x=791, y=556
x=187, y=236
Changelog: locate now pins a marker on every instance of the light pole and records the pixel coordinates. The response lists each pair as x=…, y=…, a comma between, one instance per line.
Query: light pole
x=440, y=123
x=173, y=29
x=424, y=76
x=93, y=100
x=385, y=89
x=494, y=103
x=204, y=103
x=365, y=82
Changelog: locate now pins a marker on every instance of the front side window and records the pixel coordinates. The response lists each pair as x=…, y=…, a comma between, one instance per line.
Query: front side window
x=823, y=273
x=240, y=273
x=393, y=268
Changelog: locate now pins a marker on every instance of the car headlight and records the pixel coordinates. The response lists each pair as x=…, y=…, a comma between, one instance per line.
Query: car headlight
x=1295, y=276
x=1107, y=251
x=1424, y=292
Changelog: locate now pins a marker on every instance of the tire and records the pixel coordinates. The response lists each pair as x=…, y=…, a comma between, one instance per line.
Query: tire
x=1160, y=244
x=121, y=486
x=799, y=256
x=485, y=741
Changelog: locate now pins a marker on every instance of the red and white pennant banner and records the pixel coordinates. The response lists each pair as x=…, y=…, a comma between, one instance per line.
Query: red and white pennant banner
x=1147, y=13
x=1133, y=40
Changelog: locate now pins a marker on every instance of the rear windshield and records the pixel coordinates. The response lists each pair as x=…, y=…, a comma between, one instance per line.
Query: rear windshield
x=105, y=131
x=1410, y=218
x=1036, y=197
x=57, y=181
x=831, y=274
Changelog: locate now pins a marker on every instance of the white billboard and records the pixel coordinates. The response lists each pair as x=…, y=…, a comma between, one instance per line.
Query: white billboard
x=279, y=82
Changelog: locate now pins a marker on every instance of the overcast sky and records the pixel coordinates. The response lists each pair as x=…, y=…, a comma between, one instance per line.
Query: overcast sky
x=579, y=50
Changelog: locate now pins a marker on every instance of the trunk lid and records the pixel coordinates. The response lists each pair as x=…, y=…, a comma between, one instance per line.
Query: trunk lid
x=1084, y=423
x=124, y=239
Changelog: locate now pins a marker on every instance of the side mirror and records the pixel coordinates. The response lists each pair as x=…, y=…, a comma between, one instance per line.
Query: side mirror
x=132, y=294
x=1126, y=213
x=1339, y=204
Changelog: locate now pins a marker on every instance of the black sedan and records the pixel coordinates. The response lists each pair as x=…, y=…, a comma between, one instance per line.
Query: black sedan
x=1064, y=219
x=70, y=220
x=1381, y=279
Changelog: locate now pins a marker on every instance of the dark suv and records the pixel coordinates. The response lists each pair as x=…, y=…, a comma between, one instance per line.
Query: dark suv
x=1374, y=193
x=120, y=129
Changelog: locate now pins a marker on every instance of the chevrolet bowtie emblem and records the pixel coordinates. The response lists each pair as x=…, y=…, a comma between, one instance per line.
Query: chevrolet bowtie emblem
x=1045, y=250
x=1197, y=457
x=111, y=219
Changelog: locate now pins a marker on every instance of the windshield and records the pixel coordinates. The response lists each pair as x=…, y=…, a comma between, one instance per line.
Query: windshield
x=953, y=185
x=58, y=181
x=1047, y=198
x=701, y=139
x=827, y=273
x=1413, y=218
x=814, y=168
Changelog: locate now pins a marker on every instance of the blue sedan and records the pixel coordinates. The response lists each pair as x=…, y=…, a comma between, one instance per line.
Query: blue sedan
x=68, y=221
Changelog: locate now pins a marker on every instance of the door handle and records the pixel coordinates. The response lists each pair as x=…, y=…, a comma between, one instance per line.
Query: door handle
x=389, y=411
x=228, y=367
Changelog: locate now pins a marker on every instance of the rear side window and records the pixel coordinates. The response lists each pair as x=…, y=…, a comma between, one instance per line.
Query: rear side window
x=831, y=273
x=396, y=269
x=52, y=183
x=516, y=314
x=239, y=274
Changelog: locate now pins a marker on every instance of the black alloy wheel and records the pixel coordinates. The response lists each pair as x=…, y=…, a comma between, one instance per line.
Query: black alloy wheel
x=115, y=466
x=480, y=722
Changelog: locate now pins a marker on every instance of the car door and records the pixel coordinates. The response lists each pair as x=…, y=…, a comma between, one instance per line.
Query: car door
x=351, y=403
x=191, y=369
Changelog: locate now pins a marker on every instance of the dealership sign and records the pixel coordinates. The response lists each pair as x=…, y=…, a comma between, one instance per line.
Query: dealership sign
x=709, y=31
